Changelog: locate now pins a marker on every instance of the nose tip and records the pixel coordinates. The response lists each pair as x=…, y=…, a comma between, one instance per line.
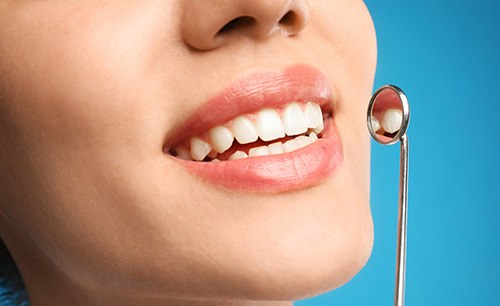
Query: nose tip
x=208, y=25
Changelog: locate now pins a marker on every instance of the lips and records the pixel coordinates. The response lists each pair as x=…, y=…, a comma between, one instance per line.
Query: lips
x=263, y=133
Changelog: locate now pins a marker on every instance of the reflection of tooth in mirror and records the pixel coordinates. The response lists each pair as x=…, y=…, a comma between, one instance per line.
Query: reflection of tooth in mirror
x=388, y=114
x=375, y=124
x=393, y=118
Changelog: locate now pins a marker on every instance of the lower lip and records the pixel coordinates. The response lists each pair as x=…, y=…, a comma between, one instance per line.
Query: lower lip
x=299, y=169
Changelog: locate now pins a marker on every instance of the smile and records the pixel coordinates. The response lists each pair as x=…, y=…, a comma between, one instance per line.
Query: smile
x=270, y=132
x=267, y=132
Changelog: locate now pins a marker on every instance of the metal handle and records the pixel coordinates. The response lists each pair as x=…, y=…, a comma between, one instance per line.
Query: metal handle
x=399, y=295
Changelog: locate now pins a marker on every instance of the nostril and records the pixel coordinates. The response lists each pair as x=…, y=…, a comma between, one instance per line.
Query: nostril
x=239, y=23
x=291, y=23
x=289, y=19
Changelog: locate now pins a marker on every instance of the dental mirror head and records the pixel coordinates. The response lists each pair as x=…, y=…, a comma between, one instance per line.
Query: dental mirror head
x=388, y=115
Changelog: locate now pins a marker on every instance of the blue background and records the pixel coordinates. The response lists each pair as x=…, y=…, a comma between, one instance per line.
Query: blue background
x=445, y=56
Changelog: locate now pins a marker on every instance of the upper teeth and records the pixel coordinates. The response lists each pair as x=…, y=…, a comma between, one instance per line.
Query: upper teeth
x=294, y=120
x=199, y=148
x=244, y=130
x=221, y=138
x=267, y=124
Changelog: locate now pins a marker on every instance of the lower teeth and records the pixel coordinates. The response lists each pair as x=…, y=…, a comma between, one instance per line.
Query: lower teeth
x=274, y=148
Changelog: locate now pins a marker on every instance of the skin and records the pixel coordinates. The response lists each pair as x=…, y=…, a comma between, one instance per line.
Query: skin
x=93, y=211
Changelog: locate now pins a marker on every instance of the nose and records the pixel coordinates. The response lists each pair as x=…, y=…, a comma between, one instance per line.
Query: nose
x=210, y=24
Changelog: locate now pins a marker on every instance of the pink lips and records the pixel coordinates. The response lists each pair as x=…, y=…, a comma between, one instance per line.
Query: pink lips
x=274, y=173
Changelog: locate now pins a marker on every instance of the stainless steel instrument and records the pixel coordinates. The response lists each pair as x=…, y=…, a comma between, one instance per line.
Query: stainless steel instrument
x=388, y=117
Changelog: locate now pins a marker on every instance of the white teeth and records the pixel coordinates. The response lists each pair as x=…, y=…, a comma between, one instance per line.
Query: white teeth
x=313, y=136
x=199, y=149
x=314, y=117
x=259, y=151
x=221, y=138
x=183, y=153
x=375, y=124
x=294, y=120
x=311, y=114
x=393, y=118
x=291, y=145
x=244, y=130
x=276, y=148
x=269, y=125
x=303, y=141
x=319, y=128
x=238, y=155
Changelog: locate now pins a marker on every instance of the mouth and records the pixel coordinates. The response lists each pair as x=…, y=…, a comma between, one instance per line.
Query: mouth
x=270, y=132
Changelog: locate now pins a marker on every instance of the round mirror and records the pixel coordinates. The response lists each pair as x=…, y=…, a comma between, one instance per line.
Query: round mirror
x=388, y=115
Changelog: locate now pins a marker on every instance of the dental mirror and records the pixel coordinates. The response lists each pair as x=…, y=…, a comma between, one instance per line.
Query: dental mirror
x=388, y=117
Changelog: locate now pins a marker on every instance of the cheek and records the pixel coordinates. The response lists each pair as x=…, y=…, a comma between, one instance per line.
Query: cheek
x=347, y=27
x=83, y=86
x=85, y=72
x=74, y=105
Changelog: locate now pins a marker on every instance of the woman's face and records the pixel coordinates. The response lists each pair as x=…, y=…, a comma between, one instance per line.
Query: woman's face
x=96, y=98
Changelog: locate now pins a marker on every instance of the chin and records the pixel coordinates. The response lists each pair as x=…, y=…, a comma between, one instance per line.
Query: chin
x=307, y=261
x=285, y=248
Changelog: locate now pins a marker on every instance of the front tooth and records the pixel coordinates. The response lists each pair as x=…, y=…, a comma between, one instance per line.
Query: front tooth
x=259, y=151
x=375, y=124
x=291, y=145
x=303, y=141
x=393, y=118
x=244, y=130
x=221, y=138
x=312, y=115
x=199, y=148
x=238, y=155
x=269, y=125
x=294, y=120
x=276, y=148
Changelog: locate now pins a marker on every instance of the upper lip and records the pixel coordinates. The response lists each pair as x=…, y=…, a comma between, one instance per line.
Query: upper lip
x=299, y=83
